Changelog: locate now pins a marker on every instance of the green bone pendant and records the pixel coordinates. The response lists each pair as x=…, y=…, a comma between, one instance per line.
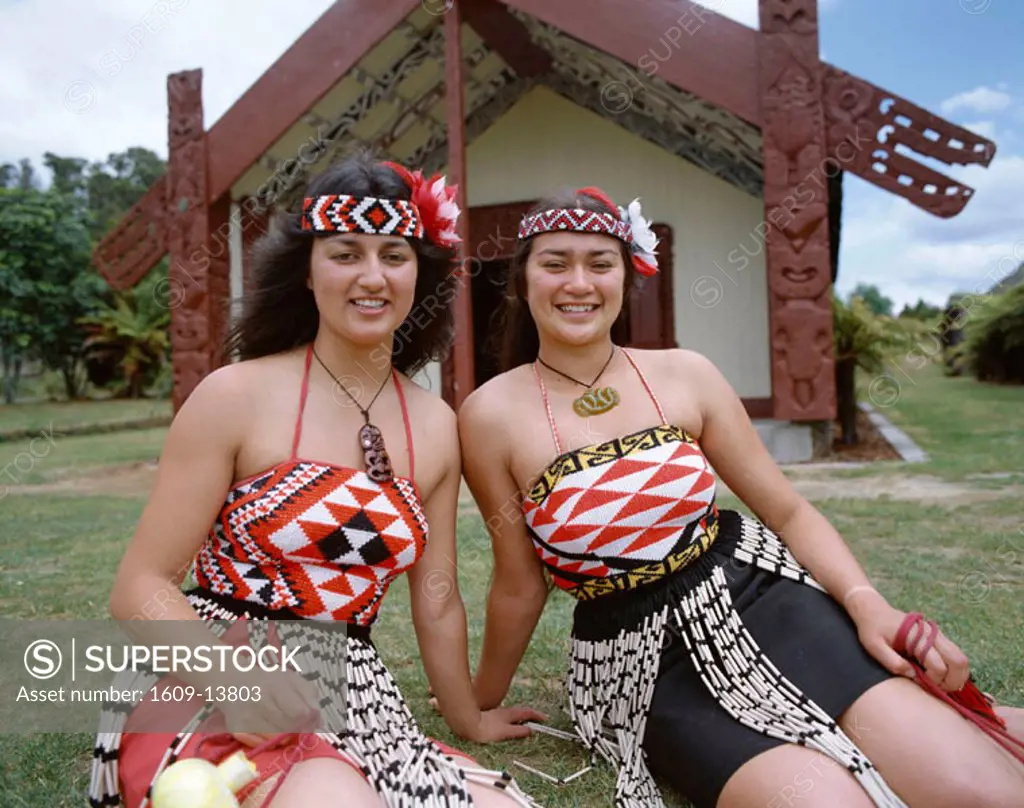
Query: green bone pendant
x=595, y=402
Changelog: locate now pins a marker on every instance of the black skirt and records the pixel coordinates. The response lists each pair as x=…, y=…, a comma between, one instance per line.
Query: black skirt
x=691, y=741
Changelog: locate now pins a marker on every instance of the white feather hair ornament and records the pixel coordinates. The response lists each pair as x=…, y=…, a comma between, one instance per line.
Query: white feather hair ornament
x=645, y=242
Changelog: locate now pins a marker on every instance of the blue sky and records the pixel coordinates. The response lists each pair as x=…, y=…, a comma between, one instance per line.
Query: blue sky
x=961, y=59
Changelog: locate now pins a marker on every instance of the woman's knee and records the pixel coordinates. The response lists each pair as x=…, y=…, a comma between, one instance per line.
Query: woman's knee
x=319, y=781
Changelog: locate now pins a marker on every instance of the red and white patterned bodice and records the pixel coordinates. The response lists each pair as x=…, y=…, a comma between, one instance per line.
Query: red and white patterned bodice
x=614, y=515
x=313, y=539
x=629, y=505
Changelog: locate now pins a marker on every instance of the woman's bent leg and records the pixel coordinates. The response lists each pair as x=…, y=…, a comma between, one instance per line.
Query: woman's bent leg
x=320, y=781
x=929, y=753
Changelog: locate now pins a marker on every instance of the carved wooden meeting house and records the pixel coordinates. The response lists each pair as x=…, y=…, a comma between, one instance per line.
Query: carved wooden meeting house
x=736, y=139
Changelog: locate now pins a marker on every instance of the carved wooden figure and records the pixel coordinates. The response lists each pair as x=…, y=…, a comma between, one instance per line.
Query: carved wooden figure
x=798, y=265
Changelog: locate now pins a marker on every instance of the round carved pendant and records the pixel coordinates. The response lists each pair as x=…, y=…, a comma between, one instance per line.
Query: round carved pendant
x=594, y=402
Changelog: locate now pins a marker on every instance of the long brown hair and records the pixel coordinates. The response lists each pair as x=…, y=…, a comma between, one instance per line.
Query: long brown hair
x=520, y=342
x=279, y=311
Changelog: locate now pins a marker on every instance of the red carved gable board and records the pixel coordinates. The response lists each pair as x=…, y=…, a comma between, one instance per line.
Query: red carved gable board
x=865, y=124
x=127, y=253
x=718, y=63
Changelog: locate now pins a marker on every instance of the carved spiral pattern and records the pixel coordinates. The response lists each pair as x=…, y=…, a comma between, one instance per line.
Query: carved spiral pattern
x=594, y=402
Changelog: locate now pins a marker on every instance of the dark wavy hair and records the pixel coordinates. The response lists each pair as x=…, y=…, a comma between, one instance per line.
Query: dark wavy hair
x=520, y=341
x=279, y=311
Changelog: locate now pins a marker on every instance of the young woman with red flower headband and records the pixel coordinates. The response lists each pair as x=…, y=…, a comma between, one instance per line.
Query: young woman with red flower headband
x=313, y=535
x=746, y=661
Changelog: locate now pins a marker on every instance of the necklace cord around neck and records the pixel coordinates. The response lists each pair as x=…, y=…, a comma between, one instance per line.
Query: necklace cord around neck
x=577, y=381
x=365, y=412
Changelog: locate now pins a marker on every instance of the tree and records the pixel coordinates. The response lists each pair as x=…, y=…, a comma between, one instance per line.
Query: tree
x=129, y=338
x=873, y=299
x=114, y=186
x=68, y=174
x=994, y=348
x=1015, y=278
x=26, y=175
x=921, y=310
x=863, y=339
x=46, y=283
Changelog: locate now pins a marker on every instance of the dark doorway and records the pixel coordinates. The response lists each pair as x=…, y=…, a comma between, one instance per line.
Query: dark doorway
x=649, y=321
x=488, y=291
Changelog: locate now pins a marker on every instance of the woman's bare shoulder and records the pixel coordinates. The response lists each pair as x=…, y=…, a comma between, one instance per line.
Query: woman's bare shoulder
x=494, y=403
x=228, y=395
x=667, y=360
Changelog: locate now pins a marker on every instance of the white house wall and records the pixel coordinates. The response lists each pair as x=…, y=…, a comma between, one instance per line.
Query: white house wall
x=546, y=142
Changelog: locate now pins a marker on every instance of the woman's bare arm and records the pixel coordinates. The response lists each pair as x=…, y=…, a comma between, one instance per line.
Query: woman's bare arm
x=737, y=453
x=196, y=470
x=439, y=614
x=518, y=590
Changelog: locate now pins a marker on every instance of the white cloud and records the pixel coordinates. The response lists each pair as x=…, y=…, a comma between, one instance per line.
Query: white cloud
x=910, y=254
x=986, y=129
x=91, y=83
x=980, y=99
x=745, y=11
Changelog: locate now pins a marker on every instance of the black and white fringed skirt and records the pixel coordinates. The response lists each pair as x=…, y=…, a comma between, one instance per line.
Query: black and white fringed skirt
x=380, y=735
x=621, y=642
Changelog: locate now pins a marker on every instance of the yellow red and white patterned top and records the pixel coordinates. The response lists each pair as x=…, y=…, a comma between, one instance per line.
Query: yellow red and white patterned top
x=614, y=515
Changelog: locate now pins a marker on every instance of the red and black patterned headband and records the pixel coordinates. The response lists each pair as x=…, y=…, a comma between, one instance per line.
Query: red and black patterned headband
x=431, y=212
x=629, y=226
x=577, y=220
x=341, y=213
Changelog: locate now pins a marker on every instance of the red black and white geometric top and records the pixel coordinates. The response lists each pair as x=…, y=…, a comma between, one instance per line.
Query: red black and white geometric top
x=314, y=540
x=615, y=515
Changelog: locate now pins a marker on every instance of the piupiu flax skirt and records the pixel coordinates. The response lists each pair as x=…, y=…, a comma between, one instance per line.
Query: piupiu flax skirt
x=370, y=725
x=693, y=675
x=691, y=742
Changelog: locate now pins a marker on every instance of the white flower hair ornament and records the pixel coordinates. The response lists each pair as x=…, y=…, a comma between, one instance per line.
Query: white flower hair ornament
x=645, y=242
x=626, y=224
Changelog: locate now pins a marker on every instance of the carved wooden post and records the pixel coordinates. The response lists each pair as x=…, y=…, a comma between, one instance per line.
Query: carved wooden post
x=197, y=241
x=186, y=232
x=218, y=251
x=796, y=209
x=458, y=370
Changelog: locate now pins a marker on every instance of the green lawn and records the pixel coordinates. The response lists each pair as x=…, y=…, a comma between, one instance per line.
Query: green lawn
x=967, y=428
x=39, y=460
x=962, y=566
x=57, y=416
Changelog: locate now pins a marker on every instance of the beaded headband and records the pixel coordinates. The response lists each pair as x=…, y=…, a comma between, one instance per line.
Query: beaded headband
x=629, y=226
x=431, y=211
x=341, y=213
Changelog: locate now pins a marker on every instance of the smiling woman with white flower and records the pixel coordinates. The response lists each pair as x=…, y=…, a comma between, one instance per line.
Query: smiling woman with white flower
x=747, y=661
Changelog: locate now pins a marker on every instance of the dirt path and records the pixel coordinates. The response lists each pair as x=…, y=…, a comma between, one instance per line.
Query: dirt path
x=923, y=488
x=126, y=480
